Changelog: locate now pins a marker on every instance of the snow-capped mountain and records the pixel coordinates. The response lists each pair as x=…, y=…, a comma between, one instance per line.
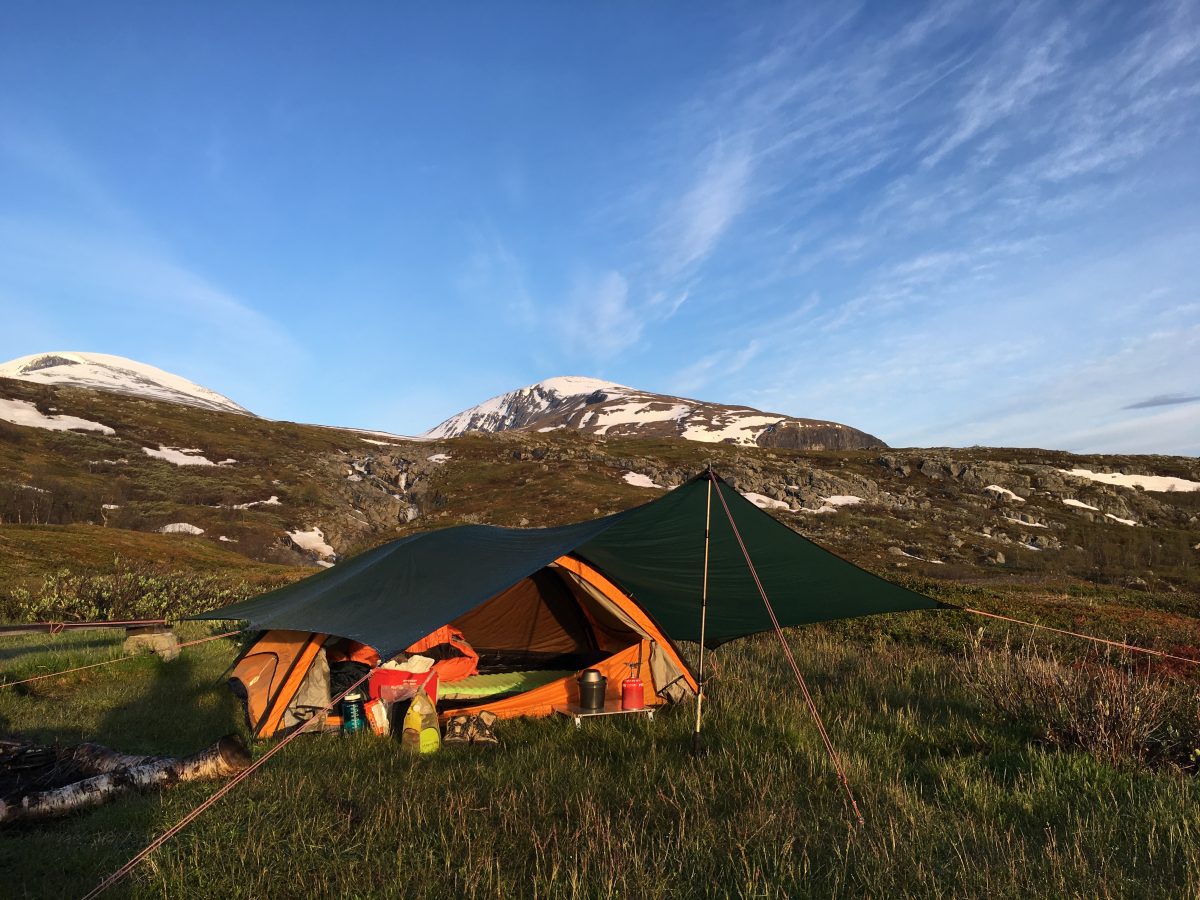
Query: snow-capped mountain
x=116, y=374
x=605, y=408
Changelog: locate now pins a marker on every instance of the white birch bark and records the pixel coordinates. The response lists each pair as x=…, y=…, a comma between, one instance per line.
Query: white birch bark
x=120, y=772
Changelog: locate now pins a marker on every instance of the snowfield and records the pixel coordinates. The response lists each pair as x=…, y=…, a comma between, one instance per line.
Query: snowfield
x=313, y=541
x=1004, y=492
x=742, y=429
x=537, y=398
x=1079, y=504
x=180, y=528
x=834, y=503
x=764, y=502
x=178, y=456
x=637, y=479
x=271, y=501
x=635, y=414
x=1145, y=482
x=22, y=412
x=1021, y=522
x=842, y=500
x=439, y=458
x=117, y=375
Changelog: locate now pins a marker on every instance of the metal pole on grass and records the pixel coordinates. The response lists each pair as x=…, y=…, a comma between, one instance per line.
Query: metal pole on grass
x=696, y=747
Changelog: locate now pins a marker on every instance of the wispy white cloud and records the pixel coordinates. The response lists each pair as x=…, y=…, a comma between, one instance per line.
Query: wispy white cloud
x=708, y=207
x=723, y=364
x=106, y=274
x=494, y=273
x=131, y=279
x=1027, y=65
x=598, y=319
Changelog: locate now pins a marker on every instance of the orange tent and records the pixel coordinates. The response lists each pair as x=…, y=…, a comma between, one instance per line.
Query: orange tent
x=530, y=641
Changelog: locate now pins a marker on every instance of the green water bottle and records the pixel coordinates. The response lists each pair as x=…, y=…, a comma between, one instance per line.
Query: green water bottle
x=354, y=717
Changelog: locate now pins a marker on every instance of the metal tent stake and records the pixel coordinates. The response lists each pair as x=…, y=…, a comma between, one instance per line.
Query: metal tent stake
x=697, y=747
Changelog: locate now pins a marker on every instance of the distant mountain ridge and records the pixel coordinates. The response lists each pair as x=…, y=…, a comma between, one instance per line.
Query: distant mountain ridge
x=117, y=375
x=601, y=407
x=587, y=405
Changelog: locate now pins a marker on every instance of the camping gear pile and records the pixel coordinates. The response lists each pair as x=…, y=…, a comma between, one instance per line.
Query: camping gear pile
x=285, y=679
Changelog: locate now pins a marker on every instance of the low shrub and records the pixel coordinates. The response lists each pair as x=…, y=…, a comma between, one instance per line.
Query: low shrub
x=1118, y=714
x=131, y=592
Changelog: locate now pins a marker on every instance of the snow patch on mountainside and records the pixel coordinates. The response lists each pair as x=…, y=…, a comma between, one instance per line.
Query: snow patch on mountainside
x=115, y=374
x=1003, y=492
x=514, y=409
x=180, y=528
x=835, y=502
x=312, y=540
x=1119, y=519
x=273, y=500
x=179, y=456
x=635, y=413
x=22, y=412
x=1145, y=482
x=637, y=479
x=764, y=502
x=842, y=500
x=741, y=428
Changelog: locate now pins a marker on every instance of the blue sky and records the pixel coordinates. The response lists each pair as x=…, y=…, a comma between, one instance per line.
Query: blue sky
x=950, y=224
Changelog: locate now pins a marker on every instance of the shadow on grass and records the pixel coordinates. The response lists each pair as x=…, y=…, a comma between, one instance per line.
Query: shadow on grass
x=168, y=709
x=10, y=653
x=177, y=713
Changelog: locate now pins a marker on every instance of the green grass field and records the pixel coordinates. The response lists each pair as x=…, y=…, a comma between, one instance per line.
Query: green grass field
x=958, y=800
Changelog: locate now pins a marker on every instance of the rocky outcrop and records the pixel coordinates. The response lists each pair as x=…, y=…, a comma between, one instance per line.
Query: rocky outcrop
x=810, y=434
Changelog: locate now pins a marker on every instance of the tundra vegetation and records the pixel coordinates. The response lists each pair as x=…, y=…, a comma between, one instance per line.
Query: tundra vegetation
x=987, y=759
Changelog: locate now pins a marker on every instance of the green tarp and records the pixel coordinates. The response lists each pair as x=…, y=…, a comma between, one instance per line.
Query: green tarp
x=393, y=595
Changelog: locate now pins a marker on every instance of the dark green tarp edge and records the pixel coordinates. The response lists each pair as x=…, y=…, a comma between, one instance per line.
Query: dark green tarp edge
x=395, y=594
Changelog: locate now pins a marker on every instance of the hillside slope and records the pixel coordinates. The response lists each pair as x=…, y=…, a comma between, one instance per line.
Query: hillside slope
x=301, y=494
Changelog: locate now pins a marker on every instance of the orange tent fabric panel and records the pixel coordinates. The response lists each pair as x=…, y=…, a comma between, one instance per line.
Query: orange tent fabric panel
x=271, y=672
x=631, y=609
x=454, y=667
x=538, y=613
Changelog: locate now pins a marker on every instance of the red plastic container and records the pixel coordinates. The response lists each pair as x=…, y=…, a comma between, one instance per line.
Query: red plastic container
x=391, y=685
x=633, y=694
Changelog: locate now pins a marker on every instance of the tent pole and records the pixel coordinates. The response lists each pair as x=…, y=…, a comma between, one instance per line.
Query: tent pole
x=696, y=748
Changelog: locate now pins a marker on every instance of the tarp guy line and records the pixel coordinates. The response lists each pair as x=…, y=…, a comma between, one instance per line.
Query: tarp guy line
x=225, y=789
x=1087, y=637
x=787, y=650
x=117, y=659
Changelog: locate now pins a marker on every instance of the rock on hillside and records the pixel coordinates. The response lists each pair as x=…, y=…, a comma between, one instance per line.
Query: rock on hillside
x=116, y=375
x=614, y=410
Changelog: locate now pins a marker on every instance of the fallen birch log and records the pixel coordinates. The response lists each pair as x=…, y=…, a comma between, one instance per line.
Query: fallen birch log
x=121, y=772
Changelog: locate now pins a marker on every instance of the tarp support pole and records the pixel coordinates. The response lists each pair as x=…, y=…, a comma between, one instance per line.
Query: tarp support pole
x=696, y=748
x=787, y=652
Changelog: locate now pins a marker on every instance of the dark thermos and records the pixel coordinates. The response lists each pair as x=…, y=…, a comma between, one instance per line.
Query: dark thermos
x=591, y=689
